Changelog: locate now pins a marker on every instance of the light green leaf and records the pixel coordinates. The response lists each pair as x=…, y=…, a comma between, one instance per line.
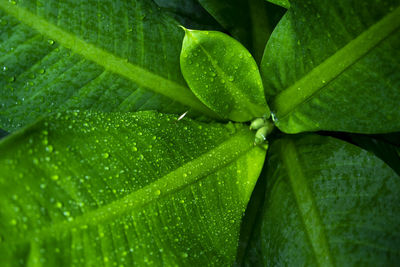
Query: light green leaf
x=223, y=75
x=107, y=56
x=333, y=65
x=282, y=3
x=94, y=189
x=329, y=203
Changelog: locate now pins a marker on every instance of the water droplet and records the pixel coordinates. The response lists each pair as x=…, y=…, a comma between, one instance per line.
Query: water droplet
x=41, y=71
x=51, y=42
x=134, y=149
x=67, y=213
x=11, y=79
x=231, y=78
x=157, y=192
x=184, y=255
x=54, y=177
x=59, y=205
x=4, y=68
x=49, y=148
x=105, y=155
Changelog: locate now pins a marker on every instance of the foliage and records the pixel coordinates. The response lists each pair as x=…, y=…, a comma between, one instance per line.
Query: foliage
x=125, y=138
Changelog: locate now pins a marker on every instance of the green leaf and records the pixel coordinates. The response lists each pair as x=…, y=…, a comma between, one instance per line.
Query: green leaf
x=381, y=148
x=329, y=203
x=250, y=227
x=332, y=65
x=189, y=13
x=108, y=56
x=223, y=75
x=282, y=3
x=125, y=189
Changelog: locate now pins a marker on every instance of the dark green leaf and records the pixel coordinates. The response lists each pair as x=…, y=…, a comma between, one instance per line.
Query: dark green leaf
x=384, y=150
x=333, y=65
x=248, y=21
x=223, y=75
x=329, y=203
x=189, y=13
x=283, y=3
x=108, y=56
x=125, y=189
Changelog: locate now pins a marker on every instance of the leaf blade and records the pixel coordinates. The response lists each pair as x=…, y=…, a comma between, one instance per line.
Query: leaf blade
x=223, y=75
x=126, y=69
x=163, y=194
x=354, y=196
x=329, y=70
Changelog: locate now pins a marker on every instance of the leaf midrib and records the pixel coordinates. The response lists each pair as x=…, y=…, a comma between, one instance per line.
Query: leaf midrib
x=110, y=62
x=318, y=78
x=306, y=204
x=232, y=149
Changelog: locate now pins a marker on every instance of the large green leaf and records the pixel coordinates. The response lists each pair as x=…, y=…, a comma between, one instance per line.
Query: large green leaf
x=329, y=203
x=93, y=189
x=223, y=75
x=376, y=144
x=333, y=65
x=106, y=55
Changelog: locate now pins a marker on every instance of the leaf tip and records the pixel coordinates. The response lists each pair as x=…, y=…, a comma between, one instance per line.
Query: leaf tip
x=183, y=28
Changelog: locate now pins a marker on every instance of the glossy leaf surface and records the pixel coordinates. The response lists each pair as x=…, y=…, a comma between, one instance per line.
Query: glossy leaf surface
x=106, y=56
x=93, y=189
x=333, y=65
x=329, y=203
x=223, y=75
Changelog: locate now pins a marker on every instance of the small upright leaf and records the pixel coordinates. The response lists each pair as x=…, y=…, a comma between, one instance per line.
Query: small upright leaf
x=223, y=75
x=329, y=203
x=123, y=189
